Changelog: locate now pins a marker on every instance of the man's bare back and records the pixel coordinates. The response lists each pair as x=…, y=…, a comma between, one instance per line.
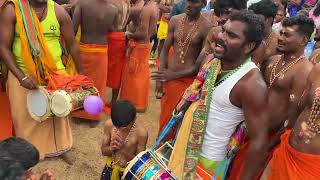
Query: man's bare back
x=121, y=20
x=285, y=91
x=135, y=143
x=96, y=18
x=299, y=137
x=144, y=20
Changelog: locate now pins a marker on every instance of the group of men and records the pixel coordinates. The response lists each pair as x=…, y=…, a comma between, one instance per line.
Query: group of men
x=222, y=68
x=33, y=36
x=249, y=73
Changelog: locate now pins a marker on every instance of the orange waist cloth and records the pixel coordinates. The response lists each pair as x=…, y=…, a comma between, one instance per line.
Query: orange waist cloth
x=136, y=76
x=116, y=58
x=95, y=65
x=6, y=124
x=173, y=91
x=237, y=164
x=289, y=164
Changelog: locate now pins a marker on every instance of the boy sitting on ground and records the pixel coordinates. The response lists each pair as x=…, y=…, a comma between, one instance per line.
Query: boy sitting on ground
x=124, y=137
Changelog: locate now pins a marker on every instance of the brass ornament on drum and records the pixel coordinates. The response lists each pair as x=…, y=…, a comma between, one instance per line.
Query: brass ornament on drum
x=38, y=104
x=63, y=102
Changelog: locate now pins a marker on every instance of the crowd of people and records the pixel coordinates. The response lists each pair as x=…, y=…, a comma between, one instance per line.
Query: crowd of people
x=242, y=73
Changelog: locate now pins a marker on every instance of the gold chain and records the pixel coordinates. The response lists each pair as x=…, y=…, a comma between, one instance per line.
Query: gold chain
x=274, y=76
x=184, y=45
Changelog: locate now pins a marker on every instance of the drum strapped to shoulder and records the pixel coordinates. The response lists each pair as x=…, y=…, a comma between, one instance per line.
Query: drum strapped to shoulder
x=63, y=102
x=38, y=104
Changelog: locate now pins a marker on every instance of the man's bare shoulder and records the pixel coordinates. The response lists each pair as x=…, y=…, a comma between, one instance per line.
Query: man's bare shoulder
x=208, y=25
x=314, y=74
x=142, y=131
x=8, y=10
x=304, y=67
x=252, y=80
x=271, y=60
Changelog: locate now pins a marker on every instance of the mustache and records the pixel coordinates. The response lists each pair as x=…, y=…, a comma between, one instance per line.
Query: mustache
x=221, y=43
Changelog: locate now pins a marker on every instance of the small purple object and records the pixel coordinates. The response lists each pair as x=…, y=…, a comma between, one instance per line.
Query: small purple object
x=165, y=176
x=93, y=105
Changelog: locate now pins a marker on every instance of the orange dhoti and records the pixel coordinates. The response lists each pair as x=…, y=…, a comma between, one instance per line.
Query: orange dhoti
x=289, y=164
x=5, y=116
x=136, y=76
x=237, y=165
x=116, y=58
x=95, y=65
x=173, y=91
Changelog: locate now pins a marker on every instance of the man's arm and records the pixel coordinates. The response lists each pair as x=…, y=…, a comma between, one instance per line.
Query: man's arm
x=253, y=101
x=168, y=43
x=7, y=30
x=76, y=18
x=67, y=31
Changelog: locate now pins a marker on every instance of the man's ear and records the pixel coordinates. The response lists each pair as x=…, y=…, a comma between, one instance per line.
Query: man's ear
x=249, y=47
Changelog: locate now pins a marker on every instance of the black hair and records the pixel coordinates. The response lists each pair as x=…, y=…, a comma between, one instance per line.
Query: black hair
x=21, y=150
x=123, y=113
x=10, y=169
x=305, y=24
x=267, y=8
x=255, y=26
x=221, y=5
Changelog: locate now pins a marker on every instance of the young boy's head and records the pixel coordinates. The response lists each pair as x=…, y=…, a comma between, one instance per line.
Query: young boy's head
x=21, y=151
x=123, y=113
x=10, y=169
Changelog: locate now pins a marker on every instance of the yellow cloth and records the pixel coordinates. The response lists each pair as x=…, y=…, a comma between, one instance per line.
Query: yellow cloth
x=163, y=29
x=116, y=169
x=177, y=158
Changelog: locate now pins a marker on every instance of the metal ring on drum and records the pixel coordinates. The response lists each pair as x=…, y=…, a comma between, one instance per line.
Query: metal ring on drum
x=38, y=104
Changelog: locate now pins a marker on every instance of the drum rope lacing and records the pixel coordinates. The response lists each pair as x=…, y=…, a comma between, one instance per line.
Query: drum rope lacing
x=115, y=130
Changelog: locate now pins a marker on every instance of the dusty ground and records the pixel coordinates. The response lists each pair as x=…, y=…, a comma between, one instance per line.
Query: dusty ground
x=86, y=147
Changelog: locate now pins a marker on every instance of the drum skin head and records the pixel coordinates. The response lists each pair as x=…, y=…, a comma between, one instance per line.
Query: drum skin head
x=61, y=103
x=38, y=104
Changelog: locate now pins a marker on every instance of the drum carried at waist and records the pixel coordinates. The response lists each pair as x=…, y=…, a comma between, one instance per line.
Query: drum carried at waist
x=43, y=104
x=64, y=102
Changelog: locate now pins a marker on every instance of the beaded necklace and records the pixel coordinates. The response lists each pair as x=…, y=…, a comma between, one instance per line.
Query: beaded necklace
x=184, y=45
x=230, y=73
x=115, y=130
x=274, y=76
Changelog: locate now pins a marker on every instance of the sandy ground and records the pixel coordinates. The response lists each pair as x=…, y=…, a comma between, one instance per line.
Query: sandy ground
x=86, y=146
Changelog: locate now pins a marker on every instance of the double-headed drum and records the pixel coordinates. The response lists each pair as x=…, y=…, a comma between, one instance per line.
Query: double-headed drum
x=38, y=104
x=146, y=166
x=64, y=102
